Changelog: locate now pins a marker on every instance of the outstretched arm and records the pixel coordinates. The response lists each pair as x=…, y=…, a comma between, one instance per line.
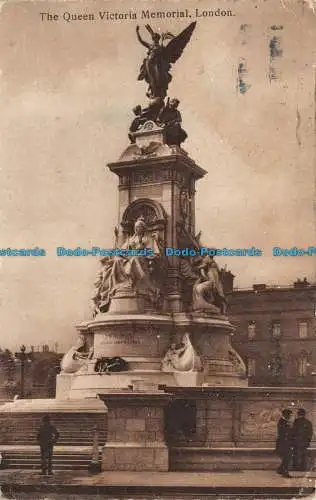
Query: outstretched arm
x=147, y=45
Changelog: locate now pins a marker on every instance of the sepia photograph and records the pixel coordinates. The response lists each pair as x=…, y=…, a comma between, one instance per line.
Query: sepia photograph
x=158, y=249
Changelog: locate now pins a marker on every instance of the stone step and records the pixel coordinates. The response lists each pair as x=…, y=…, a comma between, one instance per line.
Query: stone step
x=75, y=429
x=61, y=437
x=36, y=456
x=82, y=444
x=62, y=440
x=39, y=406
x=56, y=466
x=61, y=461
x=193, y=459
x=37, y=462
x=74, y=440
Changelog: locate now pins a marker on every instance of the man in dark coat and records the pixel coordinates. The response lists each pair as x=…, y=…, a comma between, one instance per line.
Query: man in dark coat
x=47, y=436
x=284, y=443
x=302, y=436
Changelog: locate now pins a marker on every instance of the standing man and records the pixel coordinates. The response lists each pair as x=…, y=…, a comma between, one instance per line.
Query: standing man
x=284, y=443
x=302, y=436
x=47, y=436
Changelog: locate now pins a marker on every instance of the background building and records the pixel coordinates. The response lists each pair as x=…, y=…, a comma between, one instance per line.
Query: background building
x=276, y=332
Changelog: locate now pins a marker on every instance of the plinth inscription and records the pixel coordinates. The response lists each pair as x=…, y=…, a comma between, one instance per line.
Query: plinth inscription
x=129, y=344
x=112, y=339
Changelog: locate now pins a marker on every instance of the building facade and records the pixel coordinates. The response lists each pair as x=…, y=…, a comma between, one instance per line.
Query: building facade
x=276, y=333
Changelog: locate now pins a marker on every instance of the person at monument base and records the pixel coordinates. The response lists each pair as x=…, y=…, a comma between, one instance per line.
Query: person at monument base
x=302, y=436
x=284, y=442
x=47, y=436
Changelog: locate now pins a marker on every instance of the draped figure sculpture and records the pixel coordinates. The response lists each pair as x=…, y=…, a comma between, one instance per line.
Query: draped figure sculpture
x=208, y=293
x=77, y=356
x=182, y=357
x=133, y=273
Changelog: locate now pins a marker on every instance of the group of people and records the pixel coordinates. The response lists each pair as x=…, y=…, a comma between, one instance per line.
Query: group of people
x=293, y=440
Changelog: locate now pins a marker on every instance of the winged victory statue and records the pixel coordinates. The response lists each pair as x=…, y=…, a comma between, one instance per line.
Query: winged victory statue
x=157, y=64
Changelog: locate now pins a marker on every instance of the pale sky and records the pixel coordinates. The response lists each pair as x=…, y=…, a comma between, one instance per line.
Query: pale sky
x=67, y=91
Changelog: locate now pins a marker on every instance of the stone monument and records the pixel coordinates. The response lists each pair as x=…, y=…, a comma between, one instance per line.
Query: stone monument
x=157, y=320
x=160, y=319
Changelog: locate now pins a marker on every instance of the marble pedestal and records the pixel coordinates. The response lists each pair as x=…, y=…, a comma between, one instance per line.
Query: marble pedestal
x=135, y=439
x=143, y=340
x=210, y=338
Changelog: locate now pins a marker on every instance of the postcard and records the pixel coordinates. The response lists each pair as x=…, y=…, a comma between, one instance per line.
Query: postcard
x=157, y=257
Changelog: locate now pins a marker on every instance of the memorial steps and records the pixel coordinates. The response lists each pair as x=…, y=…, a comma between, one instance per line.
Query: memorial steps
x=76, y=422
x=75, y=430
x=65, y=458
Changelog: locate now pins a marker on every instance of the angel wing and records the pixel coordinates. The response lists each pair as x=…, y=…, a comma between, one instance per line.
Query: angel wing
x=175, y=47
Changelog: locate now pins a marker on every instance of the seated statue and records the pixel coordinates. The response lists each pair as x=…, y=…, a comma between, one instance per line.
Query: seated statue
x=137, y=123
x=181, y=357
x=134, y=273
x=76, y=357
x=170, y=119
x=208, y=294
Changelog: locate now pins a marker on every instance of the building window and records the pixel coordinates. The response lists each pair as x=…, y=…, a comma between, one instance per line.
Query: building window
x=303, y=365
x=251, y=329
x=302, y=329
x=251, y=367
x=275, y=366
x=276, y=329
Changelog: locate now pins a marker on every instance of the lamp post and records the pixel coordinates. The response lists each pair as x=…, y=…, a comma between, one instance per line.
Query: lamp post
x=23, y=357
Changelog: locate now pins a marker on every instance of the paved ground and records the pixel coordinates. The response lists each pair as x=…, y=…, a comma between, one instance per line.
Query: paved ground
x=151, y=483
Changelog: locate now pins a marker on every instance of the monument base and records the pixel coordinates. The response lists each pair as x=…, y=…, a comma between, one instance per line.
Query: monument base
x=226, y=428
x=135, y=457
x=203, y=428
x=136, y=438
x=143, y=341
x=197, y=379
x=77, y=386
